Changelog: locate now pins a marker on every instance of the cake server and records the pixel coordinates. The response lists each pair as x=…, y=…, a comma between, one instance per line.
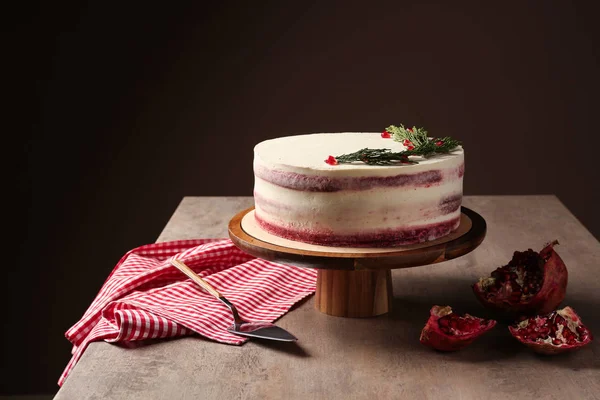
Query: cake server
x=257, y=329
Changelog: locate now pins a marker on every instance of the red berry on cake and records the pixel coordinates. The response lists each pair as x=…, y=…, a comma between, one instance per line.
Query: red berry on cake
x=331, y=160
x=407, y=142
x=385, y=135
x=439, y=143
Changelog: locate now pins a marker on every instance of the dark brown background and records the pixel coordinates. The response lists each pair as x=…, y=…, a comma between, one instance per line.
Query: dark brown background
x=124, y=109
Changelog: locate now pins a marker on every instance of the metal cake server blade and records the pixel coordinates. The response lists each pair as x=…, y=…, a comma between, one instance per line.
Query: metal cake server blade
x=262, y=330
x=258, y=329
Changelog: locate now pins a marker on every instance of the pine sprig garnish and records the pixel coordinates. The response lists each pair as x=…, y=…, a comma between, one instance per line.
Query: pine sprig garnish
x=417, y=143
x=417, y=136
x=374, y=157
x=434, y=146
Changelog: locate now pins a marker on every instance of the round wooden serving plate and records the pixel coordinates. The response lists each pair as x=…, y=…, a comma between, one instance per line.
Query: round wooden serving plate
x=355, y=282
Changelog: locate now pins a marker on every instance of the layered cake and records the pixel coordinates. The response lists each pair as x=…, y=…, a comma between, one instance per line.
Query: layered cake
x=302, y=193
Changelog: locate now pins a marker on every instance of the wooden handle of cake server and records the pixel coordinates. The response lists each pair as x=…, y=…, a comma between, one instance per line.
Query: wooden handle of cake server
x=196, y=278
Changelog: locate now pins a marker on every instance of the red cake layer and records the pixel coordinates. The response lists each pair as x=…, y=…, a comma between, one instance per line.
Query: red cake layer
x=316, y=183
x=450, y=204
x=384, y=238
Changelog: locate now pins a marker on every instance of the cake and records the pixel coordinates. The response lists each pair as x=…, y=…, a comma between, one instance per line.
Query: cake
x=299, y=196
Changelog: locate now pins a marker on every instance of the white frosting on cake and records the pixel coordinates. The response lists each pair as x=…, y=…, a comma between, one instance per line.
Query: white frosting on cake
x=307, y=154
x=299, y=196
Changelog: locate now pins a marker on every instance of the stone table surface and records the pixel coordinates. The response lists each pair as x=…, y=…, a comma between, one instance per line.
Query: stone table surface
x=378, y=357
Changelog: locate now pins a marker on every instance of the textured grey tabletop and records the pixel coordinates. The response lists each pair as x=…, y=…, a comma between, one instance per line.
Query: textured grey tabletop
x=377, y=357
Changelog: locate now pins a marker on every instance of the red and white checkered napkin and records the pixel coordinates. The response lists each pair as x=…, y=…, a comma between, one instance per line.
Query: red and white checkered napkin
x=146, y=297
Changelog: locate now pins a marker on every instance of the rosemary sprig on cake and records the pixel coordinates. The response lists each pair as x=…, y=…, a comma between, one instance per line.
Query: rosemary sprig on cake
x=417, y=143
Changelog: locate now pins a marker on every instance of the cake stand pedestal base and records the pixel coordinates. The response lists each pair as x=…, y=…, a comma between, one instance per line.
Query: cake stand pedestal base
x=365, y=293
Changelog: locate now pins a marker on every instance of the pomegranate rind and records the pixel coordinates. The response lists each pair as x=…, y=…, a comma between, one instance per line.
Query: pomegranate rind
x=549, y=348
x=433, y=337
x=548, y=298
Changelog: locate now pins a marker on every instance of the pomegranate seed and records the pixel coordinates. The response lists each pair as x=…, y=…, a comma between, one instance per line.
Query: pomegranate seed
x=410, y=147
x=385, y=135
x=331, y=160
x=439, y=143
x=556, y=342
x=410, y=129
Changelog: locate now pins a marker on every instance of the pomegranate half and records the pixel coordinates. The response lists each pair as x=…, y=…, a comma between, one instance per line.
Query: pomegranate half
x=531, y=283
x=447, y=331
x=557, y=332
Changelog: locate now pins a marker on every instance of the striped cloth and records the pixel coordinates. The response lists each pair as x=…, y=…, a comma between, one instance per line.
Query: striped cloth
x=145, y=297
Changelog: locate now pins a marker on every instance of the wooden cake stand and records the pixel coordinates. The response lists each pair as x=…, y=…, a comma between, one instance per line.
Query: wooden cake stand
x=355, y=282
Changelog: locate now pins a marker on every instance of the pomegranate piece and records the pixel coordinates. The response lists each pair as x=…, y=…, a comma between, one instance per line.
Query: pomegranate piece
x=531, y=283
x=556, y=332
x=447, y=331
x=331, y=160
